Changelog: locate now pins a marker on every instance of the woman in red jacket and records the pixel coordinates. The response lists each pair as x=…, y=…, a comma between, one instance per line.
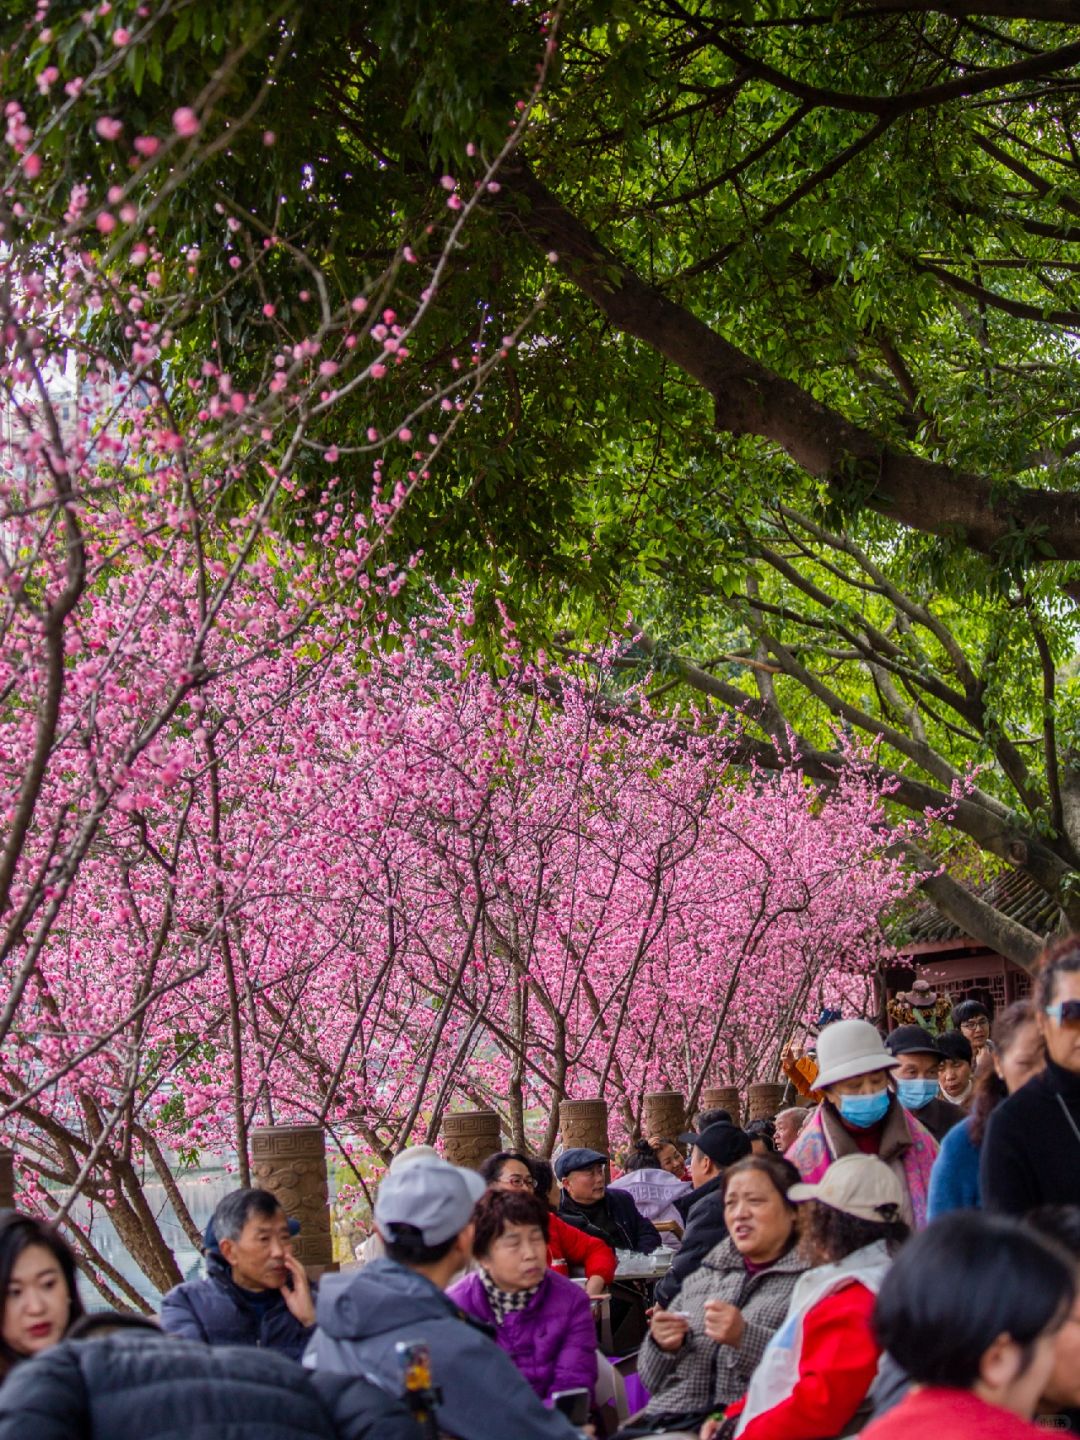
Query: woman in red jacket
x=971, y=1310
x=512, y=1170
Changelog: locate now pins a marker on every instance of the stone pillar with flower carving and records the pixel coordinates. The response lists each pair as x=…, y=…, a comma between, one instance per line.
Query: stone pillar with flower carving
x=583, y=1124
x=723, y=1097
x=290, y=1162
x=470, y=1136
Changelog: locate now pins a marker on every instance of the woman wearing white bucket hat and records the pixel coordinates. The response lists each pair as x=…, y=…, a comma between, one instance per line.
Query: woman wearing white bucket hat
x=860, y=1115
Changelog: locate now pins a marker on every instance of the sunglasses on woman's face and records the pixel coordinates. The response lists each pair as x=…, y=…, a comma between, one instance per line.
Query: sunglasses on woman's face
x=1065, y=1012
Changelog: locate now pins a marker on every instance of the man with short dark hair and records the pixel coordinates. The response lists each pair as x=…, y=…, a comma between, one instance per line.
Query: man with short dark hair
x=704, y=1118
x=955, y=1072
x=423, y=1212
x=255, y=1291
x=714, y=1149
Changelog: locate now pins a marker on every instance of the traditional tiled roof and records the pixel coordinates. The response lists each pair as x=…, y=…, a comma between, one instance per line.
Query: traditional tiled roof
x=1012, y=892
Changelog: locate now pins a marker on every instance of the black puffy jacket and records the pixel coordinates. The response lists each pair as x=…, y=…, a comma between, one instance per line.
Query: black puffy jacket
x=703, y=1211
x=218, y=1312
x=140, y=1386
x=628, y=1229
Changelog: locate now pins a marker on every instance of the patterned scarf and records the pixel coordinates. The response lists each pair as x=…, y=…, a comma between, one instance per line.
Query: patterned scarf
x=505, y=1302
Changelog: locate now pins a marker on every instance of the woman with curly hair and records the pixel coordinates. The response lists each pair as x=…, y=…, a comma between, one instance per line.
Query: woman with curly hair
x=702, y=1352
x=542, y=1320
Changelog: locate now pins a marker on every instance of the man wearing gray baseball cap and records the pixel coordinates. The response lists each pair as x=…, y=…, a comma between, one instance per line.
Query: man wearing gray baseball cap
x=423, y=1213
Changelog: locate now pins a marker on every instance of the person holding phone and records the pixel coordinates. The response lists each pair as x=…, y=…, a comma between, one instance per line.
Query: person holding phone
x=424, y=1213
x=256, y=1291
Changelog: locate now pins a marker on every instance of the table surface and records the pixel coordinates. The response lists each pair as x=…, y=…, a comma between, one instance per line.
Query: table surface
x=643, y=1267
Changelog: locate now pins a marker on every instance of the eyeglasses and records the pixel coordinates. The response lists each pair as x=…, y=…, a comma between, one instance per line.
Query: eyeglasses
x=518, y=1182
x=980, y=1022
x=1065, y=1012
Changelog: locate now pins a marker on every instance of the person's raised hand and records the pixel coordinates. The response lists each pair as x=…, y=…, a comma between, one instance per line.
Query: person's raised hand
x=668, y=1329
x=724, y=1323
x=298, y=1295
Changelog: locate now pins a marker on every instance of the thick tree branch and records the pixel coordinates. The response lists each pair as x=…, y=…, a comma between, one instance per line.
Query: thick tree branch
x=750, y=399
x=1058, y=12
x=976, y=918
x=885, y=106
x=992, y=825
x=1017, y=308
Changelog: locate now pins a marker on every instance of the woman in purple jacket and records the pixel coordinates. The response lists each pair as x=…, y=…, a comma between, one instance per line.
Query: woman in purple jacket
x=542, y=1320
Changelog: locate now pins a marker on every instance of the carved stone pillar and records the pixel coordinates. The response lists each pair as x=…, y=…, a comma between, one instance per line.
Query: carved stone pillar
x=470, y=1136
x=7, y=1179
x=765, y=1100
x=290, y=1162
x=723, y=1097
x=583, y=1125
x=663, y=1113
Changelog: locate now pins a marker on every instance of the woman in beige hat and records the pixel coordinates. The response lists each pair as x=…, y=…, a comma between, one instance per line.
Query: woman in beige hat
x=860, y=1115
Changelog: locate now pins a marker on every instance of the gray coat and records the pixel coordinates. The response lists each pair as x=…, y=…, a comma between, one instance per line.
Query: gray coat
x=701, y=1374
x=362, y=1315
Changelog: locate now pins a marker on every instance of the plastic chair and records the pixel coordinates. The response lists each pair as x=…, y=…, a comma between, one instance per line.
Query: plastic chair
x=611, y=1404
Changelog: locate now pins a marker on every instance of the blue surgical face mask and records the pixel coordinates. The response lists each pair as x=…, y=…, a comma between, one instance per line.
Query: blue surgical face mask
x=914, y=1094
x=864, y=1110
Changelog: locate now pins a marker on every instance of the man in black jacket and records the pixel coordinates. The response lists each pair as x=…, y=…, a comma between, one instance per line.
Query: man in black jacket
x=125, y=1379
x=611, y=1215
x=587, y=1204
x=714, y=1149
x=255, y=1291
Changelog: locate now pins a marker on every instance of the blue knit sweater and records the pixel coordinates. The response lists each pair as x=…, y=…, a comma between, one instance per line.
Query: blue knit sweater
x=954, y=1180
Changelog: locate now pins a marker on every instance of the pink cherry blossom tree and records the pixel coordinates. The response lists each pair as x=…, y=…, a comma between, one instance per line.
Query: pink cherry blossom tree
x=156, y=616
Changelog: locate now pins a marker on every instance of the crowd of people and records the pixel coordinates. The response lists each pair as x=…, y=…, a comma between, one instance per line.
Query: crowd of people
x=896, y=1255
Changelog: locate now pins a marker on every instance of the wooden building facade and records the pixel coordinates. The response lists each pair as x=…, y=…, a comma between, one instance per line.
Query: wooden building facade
x=960, y=967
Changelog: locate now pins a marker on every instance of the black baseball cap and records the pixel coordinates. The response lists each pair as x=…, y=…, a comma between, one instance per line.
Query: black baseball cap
x=912, y=1040
x=722, y=1143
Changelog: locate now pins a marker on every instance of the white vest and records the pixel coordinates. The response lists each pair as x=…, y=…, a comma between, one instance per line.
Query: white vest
x=776, y=1376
